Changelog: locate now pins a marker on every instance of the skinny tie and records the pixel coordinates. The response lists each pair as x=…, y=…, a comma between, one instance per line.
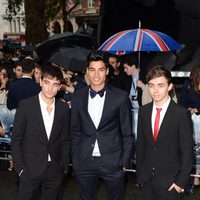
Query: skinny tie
x=156, y=125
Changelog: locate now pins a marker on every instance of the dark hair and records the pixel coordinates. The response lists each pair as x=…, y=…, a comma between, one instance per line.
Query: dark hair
x=195, y=77
x=98, y=55
x=158, y=71
x=52, y=71
x=114, y=56
x=27, y=65
x=130, y=59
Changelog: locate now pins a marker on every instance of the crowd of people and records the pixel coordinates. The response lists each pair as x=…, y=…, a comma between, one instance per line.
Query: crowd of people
x=110, y=117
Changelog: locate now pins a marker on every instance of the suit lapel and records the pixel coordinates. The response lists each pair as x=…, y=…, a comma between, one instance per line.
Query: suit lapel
x=55, y=121
x=106, y=107
x=84, y=106
x=164, y=124
x=148, y=114
x=40, y=121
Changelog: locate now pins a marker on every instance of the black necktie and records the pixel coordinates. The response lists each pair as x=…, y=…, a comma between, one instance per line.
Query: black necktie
x=94, y=93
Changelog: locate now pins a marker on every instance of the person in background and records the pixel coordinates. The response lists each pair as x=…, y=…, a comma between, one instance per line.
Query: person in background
x=17, y=69
x=4, y=78
x=101, y=132
x=37, y=73
x=164, y=148
x=118, y=76
x=190, y=99
x=135, y=87
x=23, y=88
x=40, y=141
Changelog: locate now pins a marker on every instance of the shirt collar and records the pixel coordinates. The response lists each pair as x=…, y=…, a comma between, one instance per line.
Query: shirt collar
x=164, y=106
x=43, y=103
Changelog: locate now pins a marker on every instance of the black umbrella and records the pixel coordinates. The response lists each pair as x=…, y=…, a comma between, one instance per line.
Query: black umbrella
x=71, y=58
x=46, y=48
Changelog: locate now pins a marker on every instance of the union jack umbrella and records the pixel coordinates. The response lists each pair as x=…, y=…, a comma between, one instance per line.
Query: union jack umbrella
x=136, y=40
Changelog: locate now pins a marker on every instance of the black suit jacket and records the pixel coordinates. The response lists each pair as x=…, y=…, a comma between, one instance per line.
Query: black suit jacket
x=114, y=133
x=22, y=89
x=29, y=143
x=172, y=154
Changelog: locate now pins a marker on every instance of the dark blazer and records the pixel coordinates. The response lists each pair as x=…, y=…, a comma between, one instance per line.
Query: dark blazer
x=114, y=132
x=22, y=89
x=189, y=97
x=30, y=145
x=172, y=154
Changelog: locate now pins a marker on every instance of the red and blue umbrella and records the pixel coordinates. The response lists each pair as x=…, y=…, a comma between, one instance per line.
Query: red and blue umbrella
x=137, y=40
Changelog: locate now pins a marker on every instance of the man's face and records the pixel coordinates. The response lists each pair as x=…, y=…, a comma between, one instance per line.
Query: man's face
x=97, y=74
x=18, y=71
x=114, y=63
x=130, y=70
x=50, y=87
x=37, y=74
x=159, y=89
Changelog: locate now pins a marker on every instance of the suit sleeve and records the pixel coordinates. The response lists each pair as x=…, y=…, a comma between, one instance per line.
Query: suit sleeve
x=75, y=124
x=66, y=140
x=186, y=149
x=19, y=127
x=126, y=130
x=10, y=99
x=140, y=144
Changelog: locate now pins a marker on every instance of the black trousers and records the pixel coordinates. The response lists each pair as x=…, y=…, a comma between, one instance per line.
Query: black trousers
x=153, y=191
x=88, y=179
x=49, y=183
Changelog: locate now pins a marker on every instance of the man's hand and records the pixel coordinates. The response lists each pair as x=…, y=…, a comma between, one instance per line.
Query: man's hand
x=2, y=131
x=176, y=187
x=140, y=84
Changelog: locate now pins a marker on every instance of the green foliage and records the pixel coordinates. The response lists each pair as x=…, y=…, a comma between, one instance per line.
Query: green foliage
x=53, y=9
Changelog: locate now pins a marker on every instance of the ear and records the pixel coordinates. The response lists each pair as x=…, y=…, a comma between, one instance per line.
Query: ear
x=40, y=82
x=60, y=87
x=87, y=71
x=107, y=71
x=170, y=86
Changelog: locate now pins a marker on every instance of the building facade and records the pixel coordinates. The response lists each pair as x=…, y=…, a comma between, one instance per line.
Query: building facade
x=12, y=26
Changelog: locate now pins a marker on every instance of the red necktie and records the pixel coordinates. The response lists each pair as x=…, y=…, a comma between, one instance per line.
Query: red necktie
x=156, y=125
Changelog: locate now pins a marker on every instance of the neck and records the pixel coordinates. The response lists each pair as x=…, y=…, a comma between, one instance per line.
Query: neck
x=28, y=75
x=97, y=88
x=47, y=100
x=161, y=103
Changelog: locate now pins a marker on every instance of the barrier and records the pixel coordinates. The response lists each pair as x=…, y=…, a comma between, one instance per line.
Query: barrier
x=6, y=121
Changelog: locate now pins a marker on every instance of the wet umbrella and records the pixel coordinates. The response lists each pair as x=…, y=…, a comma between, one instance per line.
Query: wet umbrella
x=27, y=50
x=137, y=40
x=46, y=48
x=71, y=58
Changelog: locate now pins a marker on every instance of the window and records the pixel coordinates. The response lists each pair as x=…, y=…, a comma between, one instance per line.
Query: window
x=90, y=3
x=80, y=4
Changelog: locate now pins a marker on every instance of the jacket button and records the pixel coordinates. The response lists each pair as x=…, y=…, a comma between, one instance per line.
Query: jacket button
x=154, y=148
x=92, y=145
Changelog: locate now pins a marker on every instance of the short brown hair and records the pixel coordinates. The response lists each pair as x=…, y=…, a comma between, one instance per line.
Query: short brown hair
x=195, y=77
x=158, y=71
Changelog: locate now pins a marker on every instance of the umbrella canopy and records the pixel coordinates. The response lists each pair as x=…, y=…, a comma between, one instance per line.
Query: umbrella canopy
x=46, y=48
x=140, y=39
x=71, y=58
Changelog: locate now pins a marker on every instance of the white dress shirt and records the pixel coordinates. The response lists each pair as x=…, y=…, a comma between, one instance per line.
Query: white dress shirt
x=95, y=109
x=47, y=118
x=162, y=113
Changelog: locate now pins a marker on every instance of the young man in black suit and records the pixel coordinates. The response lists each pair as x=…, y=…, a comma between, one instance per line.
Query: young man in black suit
x=101, y=132
x=41, y=142
x=25, y=87
x=164, y=150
